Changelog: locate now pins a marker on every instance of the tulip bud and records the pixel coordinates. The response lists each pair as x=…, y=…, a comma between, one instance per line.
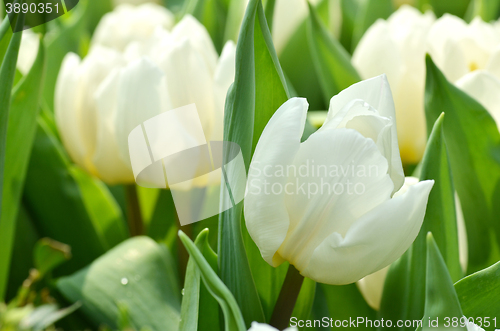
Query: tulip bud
x=328, y=205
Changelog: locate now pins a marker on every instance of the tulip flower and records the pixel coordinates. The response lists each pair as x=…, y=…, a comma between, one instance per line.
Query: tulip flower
x=468, y=55
x=334, y=206
x=264, y=327
x=134, y=2
x=128, y=78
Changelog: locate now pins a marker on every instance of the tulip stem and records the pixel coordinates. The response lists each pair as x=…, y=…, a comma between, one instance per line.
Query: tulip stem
x=286, y=301
x=134, y=217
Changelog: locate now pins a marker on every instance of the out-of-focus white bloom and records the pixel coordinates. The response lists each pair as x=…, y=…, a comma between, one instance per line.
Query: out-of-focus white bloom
x=30, y=42
x=101, y=98
x=372, y=286
x=134, y=2
x=468, y=55
x=310, y=217
x=265, y=327
x=290, y=14
x=129, y=23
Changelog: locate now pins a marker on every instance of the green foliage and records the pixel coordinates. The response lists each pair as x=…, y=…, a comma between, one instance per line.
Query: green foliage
x=473, y=143
x=441, y=301
x=478, y=294
x=136, y=274
x=404, y=291
x=20, y=127
x=232, y=316
x=331, y=61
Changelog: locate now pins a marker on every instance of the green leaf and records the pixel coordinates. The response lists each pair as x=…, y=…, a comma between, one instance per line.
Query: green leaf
x=198, y=312
x=478, y=294
x=350, y=11
x=48, y=254
x=5, y=36
x=212, y=14
x=259, y=89
x=345, y=302
x=331, y=61
x=233, y=318
x=369, y=12
x=22, y=252
x=473, y=143
x=408, y=290
x=7, y=73
x=488, y=10
x=441, y=300
x=138, y=275
x=58, y=203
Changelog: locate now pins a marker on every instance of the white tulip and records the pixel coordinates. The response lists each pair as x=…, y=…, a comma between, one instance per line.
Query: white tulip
x=100, y=99
x=134, y=2
x=471, y=326
x=397, y=47
x=334, y=236
x=28, y=51
x=128, y=23
x=264, y=327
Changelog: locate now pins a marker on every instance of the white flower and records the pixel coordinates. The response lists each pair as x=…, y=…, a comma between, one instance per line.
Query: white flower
x=335, y=220
x=128, y=23
x=134, y=2
x=28, y=51
x=264, y=327
x=101, y=98
x=468, y=55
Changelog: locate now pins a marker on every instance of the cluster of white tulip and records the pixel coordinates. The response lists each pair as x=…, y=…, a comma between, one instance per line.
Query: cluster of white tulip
x=468, y=55
x=136, y=68
x=141, y=64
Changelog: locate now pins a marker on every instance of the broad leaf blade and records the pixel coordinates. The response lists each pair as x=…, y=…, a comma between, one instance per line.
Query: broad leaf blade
x=331, y=60
x=239, y=127
x=479, y=293
x=473, y=143
x=441, y=300
x=137, y=274
x=7, y=73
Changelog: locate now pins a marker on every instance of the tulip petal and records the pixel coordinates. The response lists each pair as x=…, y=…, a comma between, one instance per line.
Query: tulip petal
x=485, y=88
x=67, y=109
x=190, y=80
x=224, y=77
x=377, y=93
x=266, y=215
x=141, y=96
x=197, y=35
x=376, y=240
x=107, y=159
x=337, y=177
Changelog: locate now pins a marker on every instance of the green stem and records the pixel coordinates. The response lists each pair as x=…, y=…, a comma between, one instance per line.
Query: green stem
x=134, y=217
x=286, y=301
